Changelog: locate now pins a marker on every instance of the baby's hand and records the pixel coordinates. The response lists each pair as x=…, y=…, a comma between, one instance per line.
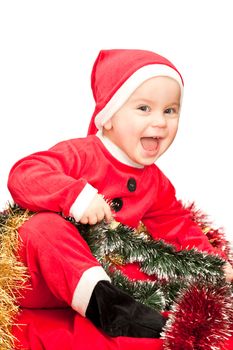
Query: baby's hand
x=228, y=271
x=98, y=210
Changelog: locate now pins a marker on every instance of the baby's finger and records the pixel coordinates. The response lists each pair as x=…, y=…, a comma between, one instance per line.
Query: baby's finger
x=92, y=220
x=100, y=214
x=228, y=271
x=84, y=220
x=107, y=214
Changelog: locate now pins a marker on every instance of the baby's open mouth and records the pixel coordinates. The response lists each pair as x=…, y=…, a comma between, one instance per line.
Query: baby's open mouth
x=150, y=143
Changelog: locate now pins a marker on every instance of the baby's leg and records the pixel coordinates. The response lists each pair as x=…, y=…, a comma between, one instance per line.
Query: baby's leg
x=63, y=272
x=62, y=269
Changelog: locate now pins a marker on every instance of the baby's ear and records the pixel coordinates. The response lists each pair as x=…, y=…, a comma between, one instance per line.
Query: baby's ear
x=108, y=125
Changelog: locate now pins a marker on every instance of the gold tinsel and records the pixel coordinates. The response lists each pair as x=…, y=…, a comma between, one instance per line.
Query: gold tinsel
x=13, y=274
x=114, y=259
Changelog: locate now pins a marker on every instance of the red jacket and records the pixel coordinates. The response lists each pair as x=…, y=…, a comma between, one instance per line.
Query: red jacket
x=52, y=180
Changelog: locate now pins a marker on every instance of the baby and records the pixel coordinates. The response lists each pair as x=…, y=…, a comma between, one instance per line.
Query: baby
x=111, y=172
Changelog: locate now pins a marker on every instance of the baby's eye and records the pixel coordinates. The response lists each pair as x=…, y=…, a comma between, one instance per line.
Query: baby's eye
x=170, y=111
x=144, y=108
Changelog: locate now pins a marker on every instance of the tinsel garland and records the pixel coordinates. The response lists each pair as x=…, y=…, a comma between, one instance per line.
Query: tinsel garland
x=201, y=318
x=216, y=236
x=116, y=245
x=13, y=274
x=188, y=284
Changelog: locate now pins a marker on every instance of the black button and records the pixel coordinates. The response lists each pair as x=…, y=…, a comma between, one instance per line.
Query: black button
x=117, y=204
x=131, y=184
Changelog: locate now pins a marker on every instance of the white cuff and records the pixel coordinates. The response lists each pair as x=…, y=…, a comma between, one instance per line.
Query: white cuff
x=83, y=201
x=85, y=286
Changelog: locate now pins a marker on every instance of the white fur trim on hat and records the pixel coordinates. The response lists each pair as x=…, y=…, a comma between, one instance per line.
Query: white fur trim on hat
x=130, y=85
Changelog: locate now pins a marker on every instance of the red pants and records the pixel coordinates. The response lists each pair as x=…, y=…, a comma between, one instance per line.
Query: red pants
x=57, y=257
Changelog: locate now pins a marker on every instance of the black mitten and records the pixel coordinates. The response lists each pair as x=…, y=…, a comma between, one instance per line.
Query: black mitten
x=118, y=314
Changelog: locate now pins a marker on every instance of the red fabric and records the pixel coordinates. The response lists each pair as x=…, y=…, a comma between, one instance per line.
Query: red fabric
x=52, y=180
x=66, y=330
x=112, y=68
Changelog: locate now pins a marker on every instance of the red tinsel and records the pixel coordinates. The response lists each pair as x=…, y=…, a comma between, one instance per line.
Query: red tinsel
x=201, y=319
x=216, y=236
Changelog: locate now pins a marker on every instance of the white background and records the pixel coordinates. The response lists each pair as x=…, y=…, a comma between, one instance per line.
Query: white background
x=47, y=51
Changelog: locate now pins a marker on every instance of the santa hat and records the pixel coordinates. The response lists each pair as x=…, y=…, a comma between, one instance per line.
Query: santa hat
x=117, y=74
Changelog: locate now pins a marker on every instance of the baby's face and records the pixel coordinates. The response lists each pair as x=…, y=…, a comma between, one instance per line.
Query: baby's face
x=146, y=125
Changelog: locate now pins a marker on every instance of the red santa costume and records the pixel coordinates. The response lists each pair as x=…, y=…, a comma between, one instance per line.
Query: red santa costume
x=64, y=179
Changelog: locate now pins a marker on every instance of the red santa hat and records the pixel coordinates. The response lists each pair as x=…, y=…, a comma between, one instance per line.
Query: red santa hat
x=117, y=74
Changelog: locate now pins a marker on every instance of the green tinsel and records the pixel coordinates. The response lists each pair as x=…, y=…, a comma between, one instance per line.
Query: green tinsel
x=114, y=245
x=157, y=295
x=173, y=271
x=154, y=256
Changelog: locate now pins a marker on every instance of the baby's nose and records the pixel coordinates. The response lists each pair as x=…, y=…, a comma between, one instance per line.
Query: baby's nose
x=159, y=120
